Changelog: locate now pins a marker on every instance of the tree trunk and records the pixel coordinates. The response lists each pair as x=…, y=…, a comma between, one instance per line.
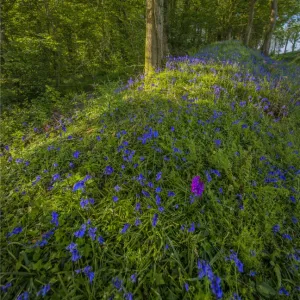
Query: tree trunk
x=286, y=43
x=154, y=48
x=268, y=35
x=250, y=22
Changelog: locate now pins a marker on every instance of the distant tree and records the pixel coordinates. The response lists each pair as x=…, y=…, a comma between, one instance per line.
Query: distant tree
x=270, y=28
x=154, y=48
x=250, y=22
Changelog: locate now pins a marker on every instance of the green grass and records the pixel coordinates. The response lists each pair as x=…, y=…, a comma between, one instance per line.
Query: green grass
x=254, y=183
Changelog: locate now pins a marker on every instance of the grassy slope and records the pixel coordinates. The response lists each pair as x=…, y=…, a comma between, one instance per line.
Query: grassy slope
x=251, y=184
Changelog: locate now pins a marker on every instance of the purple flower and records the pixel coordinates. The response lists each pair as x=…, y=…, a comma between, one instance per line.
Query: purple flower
x=138, y=206
x=73, y=250
x=16, y=230
x=154, y=220
x=76, y=154
x=88, y=272
x=133, y=278
x=276, y=228
x=5, y=287
x=54, y=218
x=283, y=291
x=117, y=188
x=186, y=286
x=171, y=194
x=192, y=228
x=287, y=236
x=117, y=283
x=80, y=233
x=115, y=198
x=23, y=296
x=45, y=289
x=294, y=220
x=78, y=186
x=125, y=228
x=197, y=186
x=108, y=170
x=158, y=176
x=137, y=222
x=161, y=209
x=128, y=296
x=158, y=190
x=157, y=200
x=236, y=297
x=238, y=263
x=215, y=285
x=101, y=240
x=56, y=177
x=218, y=142
x=92, y=233
x=252, y=273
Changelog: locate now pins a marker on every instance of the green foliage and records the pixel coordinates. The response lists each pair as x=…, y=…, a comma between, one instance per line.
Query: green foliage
x=183, y=106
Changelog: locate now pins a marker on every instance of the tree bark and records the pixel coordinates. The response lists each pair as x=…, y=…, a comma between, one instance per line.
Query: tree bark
x=250, y=22
x=154, y=48
x=286, y=43
x=268, y=35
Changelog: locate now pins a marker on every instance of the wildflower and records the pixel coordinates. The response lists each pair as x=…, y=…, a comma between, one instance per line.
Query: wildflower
x=23, y=296
x=186, y=286
x=138, y=206
x=171, y=194
x=76, y=154
x=125, y=228
x=215, y=285
x=117, y=283
x=73, y=250
x=45, y=289
x=108, y=170
x=208, y=177
x=55, y=177
x=238, y=263
x=293, y=199
x=154, y=220
x=137, y=222
x=294, y=220
x=158, y=190
x=54, y=218
x=276, y=228
x=80, y=233
x=192, y=228
x=101, y=240
x=252, y=273
x=5, y=287
x=115, y=198
x=218, y=142
x=242, y=103
x=16, y=230
x=236, y=297
x=117, y=188
x=92, y=233
x=161, y=209
x=197, y=186
x=287, y=236
x=283, y=291
x=158, y=176
x=78, y=186
x=128, y=296
x=158, y=200
x=133, y=278
x=55, y=165
x=88, y=272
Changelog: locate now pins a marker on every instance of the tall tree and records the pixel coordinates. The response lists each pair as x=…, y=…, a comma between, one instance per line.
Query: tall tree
x=250, y=22
x=270, y=28
x=154, y=48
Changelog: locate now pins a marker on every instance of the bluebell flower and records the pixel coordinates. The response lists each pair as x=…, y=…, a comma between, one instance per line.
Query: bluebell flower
x=171, y=194
x=293, y=199
x=276, y=228
x=118, y=284
x=16, y=230
x=158, y=189
x=54, y=218
x=128, y=296
x=78, y=186
x=238, y=263
x=215, y=285
x=242, y=103
x=283, y=291
x=101, y=240
x=115, y=198
x=208, y=177
x=218, y=142
x=294, y=220
x=186, y=286
x=157, y=200
x=92, y=232
x=138, y=206
x=158, y=176
x=154, y=220
x=192, y=228
x=137, y=222
x=161, y=209
x=287, y=236
x=23, y=296
x=5, y=287
x=125, y=228
x=133, y=278
x=80, y=233
x=56, y=177
x=76, y=154
x=236, y=297
x=108, y=170
x=252, y=273
x=146, y=194
x=73, y=250
x=45, y=289
x=117, y=188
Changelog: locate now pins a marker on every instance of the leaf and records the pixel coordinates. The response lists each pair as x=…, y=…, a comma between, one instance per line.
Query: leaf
x=159, y=279
x=278, y=275
x=265, y=289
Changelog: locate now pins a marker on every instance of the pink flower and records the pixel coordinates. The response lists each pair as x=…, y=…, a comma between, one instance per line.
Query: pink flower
x=197, y=186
